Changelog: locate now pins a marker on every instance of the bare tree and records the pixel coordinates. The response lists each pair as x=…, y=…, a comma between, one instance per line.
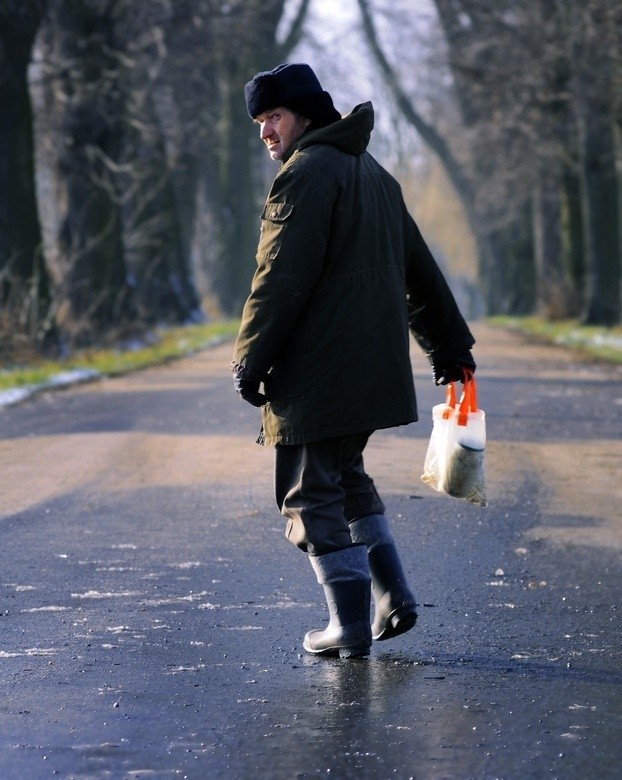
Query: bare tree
x=496, y=130
x=534, y=145
x=86, y=116
x=158, y=261
x=595, y=30
x=24, y=282
x=124, y=265
x=456, y=165
x=210, y=60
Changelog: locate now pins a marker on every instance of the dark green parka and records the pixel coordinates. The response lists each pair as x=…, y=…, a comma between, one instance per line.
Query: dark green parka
x=342, y=273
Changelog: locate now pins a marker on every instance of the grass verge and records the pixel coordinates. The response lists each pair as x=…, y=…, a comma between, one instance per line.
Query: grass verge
x=596, y=342
x=165, y=344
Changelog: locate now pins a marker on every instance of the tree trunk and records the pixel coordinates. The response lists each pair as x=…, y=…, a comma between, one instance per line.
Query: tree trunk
x=238, y=213
x=512, y=286
x=24, y=282
x=602, y=288
x=234, y=194
x=552, y=295
x=573, y=238
x=157, y=256
x=601, y=205
x=90, y=233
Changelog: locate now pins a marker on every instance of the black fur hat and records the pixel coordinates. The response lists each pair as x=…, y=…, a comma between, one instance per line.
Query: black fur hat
x=295, y=87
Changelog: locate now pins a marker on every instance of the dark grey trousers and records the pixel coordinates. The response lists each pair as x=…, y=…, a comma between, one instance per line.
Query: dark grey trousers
x=322, y=486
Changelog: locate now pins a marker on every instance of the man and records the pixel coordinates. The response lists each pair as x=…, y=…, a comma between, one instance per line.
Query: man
x=323, y=346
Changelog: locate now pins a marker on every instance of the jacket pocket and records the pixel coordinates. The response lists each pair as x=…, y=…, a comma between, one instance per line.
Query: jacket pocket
x=273, y=225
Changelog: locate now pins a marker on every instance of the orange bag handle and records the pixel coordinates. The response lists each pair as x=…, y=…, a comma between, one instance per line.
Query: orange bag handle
x=450, y=400
x=468, y=400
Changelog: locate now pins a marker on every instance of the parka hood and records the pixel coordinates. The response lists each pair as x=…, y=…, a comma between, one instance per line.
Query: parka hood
x=350, y=134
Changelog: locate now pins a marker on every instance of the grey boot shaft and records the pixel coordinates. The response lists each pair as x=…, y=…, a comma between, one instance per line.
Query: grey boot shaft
x=394, y=604
x=344, y=575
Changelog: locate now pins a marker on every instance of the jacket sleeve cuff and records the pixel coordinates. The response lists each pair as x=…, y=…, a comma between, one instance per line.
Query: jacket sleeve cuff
x=242, y=372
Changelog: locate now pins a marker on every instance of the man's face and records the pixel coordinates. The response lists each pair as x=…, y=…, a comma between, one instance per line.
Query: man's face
x=279, y=128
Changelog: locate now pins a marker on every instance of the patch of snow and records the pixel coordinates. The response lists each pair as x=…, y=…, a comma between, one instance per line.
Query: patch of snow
x=577, y=337
x=67, y=378
x=16, y=395
x=608, y=340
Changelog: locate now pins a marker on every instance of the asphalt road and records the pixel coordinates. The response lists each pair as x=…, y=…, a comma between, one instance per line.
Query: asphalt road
x=152, y=612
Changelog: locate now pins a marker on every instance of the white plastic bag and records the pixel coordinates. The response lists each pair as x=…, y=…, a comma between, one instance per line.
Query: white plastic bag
x=454, y=462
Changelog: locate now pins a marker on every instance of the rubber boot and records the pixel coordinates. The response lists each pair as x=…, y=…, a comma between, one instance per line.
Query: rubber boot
x=344, y=575
x=394, y=604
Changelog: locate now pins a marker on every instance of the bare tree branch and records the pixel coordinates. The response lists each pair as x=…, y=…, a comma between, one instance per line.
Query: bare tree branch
x=428, y=132
x=295, y=31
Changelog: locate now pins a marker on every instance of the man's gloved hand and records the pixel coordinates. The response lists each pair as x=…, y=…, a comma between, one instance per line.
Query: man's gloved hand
x=452, y=369
x=247, y=387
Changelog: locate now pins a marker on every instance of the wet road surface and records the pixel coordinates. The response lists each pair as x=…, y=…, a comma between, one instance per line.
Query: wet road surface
x=152, y=613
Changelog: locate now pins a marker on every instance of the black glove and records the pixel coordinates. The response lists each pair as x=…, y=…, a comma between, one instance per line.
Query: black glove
x=247, y=387
x=452, y=369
